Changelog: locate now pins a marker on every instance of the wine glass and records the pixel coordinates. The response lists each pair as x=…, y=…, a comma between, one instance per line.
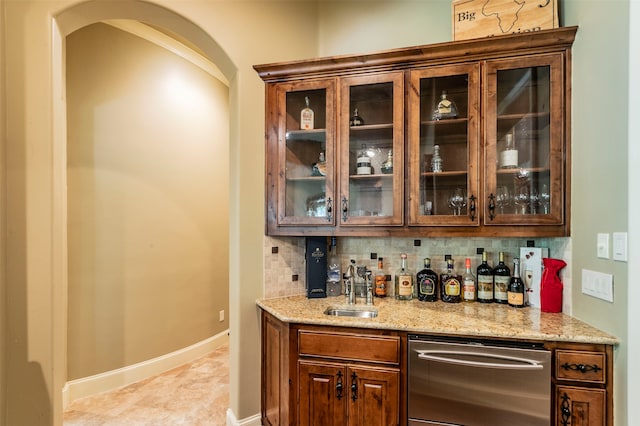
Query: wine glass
x=457, y=201
x=522, y=200
x=503, y=198
x=545, y=198
x=534, y=200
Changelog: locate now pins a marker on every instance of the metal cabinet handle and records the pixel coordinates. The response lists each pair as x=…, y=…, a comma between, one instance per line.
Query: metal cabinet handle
x=492, y=206
x=565, y=412
x=354, y=386
x=339, y=386
x=472, y=207
x=345, y=208
x=581, y=367
x=329, y=203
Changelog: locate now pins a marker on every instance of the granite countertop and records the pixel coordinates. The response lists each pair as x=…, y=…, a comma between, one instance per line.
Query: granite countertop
x=465, y=319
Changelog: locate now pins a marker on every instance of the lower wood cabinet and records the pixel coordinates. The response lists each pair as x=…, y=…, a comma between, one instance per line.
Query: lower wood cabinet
x=583, y=382
x=340, y=394
x=332, y=376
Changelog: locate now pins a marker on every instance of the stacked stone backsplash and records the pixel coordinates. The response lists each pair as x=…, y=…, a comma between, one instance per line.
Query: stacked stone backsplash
x=284, y=263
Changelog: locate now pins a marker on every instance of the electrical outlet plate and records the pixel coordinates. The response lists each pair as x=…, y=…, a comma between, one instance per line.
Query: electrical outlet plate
x=603, y=246
x=597, y=284
x=620, y=246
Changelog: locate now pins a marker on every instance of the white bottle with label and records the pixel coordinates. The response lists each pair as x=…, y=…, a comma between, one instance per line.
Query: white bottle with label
x=363, y=166
x=307, y=116
x=509, y=156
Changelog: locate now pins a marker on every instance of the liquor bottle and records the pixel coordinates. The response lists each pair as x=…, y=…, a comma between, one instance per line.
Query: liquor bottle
x=485, y=281
x=319, y=168
x=380, y=280
x=501, y=277
x=306, y=116
x=446, y=108
x=427, y=282
x=468, y=283
x=509, y=156
x=363, y=166
x=334, y=274
x=387, y=166
x=403, y=280
x=436, y=160
x=515, y=294
x=356, y=120
x=450, y=286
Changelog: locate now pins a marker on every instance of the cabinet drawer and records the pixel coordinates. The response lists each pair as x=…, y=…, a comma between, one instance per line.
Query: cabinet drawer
x=348, y=346
x=581, y=366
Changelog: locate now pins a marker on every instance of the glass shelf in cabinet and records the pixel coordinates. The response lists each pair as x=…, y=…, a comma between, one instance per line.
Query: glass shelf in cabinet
x=445, y=122
x=315, y=135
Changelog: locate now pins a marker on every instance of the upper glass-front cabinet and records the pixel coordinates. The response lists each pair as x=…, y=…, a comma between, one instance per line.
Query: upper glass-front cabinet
x=525, y=147
x=443, y=145
x=306, y=153
x=371, y=150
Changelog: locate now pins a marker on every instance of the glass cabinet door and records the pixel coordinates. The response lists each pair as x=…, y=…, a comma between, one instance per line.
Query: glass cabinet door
x=371, y=150
x=306, y=153
x=443, y=146
x=525, y=141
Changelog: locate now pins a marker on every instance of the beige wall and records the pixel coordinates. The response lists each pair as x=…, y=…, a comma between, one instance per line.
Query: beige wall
x=2, y=220
x=148, y=168
x=251, y=32
x=600, y=149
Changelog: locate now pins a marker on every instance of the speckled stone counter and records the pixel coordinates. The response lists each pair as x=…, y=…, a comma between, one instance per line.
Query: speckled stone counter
x=465, y=319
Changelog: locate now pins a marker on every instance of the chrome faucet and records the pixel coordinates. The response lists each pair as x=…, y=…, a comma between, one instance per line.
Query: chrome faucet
x=350, y=283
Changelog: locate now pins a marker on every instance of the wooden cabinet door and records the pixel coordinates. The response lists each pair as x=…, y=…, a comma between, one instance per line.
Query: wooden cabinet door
x=275, y=372
x=373, y=396
x=446, y=193
x=322, y=394
x=371, y=140
x=301, y=162
x=525, y=107
x=580, y=406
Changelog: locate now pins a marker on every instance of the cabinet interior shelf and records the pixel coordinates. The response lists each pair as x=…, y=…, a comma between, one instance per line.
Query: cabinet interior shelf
x=448, y=121
x=370, y=127
x=305, y=178
x=453, y=173
x=517, y=171
x=315, y=135
x=525, y=116
x=373, y=176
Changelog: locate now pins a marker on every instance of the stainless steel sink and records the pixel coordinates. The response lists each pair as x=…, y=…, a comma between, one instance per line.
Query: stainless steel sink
x=351, y=312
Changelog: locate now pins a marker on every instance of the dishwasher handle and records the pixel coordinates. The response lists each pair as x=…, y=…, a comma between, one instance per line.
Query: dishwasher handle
x=449, y=357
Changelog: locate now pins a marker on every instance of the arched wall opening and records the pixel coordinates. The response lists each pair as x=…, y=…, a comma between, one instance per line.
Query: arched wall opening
x=65, y=23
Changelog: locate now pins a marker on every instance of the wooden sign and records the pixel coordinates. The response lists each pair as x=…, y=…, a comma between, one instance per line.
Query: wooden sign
x=487, y=18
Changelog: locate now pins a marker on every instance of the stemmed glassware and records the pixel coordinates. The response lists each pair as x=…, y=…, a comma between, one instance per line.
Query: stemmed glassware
x=545, y=198
x=522, y=199
x=534, y=200
x=503, y=198
x=457, y=201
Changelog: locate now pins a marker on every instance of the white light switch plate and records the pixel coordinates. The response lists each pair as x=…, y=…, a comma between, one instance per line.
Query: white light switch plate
x=597, y=284
x=603, y=246
x=620, y=246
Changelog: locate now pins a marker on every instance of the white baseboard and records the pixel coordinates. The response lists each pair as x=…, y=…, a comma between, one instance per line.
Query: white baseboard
x=86, y=386
x=254, y=420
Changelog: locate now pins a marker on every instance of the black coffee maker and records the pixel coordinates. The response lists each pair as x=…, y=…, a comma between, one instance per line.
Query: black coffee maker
x=316, y=266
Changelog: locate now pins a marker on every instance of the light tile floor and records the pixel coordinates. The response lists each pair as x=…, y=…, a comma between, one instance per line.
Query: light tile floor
x=193, y=394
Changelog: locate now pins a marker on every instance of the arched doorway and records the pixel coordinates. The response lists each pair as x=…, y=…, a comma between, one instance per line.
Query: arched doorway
x=89, y=13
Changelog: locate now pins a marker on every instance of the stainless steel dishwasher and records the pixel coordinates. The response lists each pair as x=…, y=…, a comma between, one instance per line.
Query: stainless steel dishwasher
x=479, y=382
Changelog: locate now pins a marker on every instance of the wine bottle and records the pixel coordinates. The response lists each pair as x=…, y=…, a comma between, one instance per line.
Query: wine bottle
x=380, y=280
x=450, y=286
x=515, y=294
x=501, y=277
x=403, y=280
x=427, y=282
x=306, y=116
x=468, y=283
x=446, y=108
x=485, y=281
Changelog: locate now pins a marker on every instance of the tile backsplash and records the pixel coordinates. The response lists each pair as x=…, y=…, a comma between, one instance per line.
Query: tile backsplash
x=284, y=263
